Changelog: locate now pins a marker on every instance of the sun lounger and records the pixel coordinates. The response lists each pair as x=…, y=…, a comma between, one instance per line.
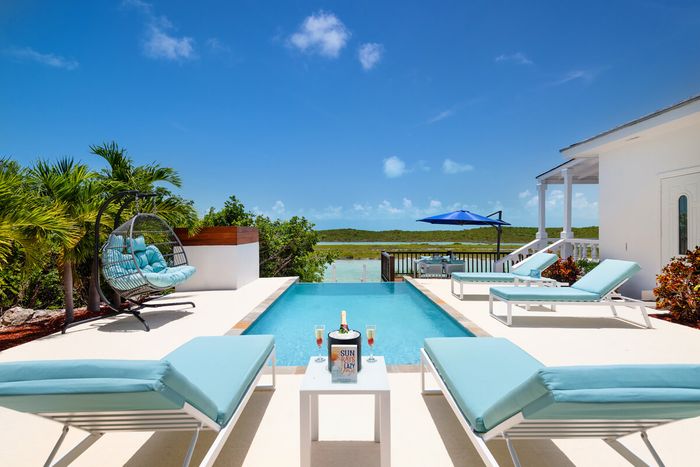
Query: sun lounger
x=202, y=385
x=595, y=288
x=499, y=391
x=520, y=273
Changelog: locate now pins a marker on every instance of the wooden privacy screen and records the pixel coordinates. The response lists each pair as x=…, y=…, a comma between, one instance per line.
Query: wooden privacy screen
x=219, y=236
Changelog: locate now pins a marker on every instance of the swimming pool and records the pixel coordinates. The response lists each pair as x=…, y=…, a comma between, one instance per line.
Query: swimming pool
x=402, y=314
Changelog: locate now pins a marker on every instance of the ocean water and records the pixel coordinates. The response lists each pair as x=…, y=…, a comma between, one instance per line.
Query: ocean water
x=402, y=314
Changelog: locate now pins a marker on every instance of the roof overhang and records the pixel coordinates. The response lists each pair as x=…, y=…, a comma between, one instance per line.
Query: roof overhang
x=583, y=171
x=678, y=115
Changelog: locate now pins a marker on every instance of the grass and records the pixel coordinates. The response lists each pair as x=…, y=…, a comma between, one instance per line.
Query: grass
x=373, y=250
x=481, y=235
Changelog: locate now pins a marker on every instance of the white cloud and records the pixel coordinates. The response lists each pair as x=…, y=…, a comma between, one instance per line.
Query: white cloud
x=435, y=204
x=441, y=116
x=451, y=167
x=387, y=207
x=321, y=33
x=278, y=207
x=394, y=167
x=160, y=44
x=329, y=212
x=583, y=75
x=407, y=203
x=52, y=60
x=370, y=55
x=517, y=57
x=524, y=194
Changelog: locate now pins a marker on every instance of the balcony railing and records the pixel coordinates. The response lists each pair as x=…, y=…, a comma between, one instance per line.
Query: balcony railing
x=400, y=262
x=578, y=248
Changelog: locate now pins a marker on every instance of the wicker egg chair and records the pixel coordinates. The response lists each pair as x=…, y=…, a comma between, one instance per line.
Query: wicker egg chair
x=140, y=259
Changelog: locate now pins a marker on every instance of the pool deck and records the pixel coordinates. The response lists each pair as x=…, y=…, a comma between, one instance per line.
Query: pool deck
x=424, y=429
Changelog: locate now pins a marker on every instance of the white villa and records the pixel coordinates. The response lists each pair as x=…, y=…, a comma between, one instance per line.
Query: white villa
x=648, y=172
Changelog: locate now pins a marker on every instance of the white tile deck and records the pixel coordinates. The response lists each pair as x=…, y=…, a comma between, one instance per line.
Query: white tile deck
x=424, y=430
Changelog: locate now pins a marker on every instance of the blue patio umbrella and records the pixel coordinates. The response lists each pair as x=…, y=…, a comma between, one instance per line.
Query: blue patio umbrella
x=463, y=217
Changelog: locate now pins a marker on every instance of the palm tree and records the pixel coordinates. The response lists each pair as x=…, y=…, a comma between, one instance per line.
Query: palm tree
x=73, y=187
x=25, y=218
x=122, y=175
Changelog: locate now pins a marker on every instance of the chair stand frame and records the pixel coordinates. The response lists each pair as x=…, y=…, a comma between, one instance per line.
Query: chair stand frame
x=518, y=427
x=187, y=418
x=611, y=300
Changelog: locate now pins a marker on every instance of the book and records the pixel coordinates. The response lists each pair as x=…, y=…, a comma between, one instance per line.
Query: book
x=344, y=363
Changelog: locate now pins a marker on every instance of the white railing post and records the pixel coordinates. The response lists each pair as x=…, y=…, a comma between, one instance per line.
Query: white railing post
x=541, y=212
x=364, y=273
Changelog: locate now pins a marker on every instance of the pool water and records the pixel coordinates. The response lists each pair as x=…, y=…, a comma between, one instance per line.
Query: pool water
x=402, y=314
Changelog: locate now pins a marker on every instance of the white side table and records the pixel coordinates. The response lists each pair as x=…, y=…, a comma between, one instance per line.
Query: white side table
x=372, y=379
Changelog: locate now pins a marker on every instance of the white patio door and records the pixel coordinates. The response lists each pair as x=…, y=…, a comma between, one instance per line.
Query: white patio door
x=680, y=214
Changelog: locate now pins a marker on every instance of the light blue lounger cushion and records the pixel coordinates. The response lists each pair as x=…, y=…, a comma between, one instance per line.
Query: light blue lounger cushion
x=604, y=278
x=492, y=379
x=607, y=276
x=209, y=373
x=483, y=276
x=544, y=294
x=223, y=368
x=479, y=372
x=616, y=392
x=98, y=385
x=539, y=261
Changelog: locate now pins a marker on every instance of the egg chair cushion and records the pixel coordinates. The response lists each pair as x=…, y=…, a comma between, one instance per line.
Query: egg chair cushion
x=136, y=244
x=169, y=277
x=155, y=258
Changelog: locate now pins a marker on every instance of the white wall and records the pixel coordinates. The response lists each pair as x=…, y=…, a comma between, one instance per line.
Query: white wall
x=630, y=197
x=222, y=267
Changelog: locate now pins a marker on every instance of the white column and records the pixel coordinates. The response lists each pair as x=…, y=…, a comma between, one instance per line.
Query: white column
x=568, y=198
x=541, y=215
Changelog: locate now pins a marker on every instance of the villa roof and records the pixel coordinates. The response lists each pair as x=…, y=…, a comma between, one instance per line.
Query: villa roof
x=646, y=118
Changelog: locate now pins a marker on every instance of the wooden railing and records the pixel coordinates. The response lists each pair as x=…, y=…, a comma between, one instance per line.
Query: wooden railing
x=400, y=262
x=388, y=271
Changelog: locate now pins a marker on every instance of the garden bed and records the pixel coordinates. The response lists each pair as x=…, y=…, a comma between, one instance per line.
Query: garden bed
x=11, y=336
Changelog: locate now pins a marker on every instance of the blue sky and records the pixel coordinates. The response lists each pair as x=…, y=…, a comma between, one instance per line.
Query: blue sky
x=353, y=113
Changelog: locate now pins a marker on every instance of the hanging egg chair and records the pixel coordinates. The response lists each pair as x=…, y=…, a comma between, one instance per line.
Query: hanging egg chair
x=140, y=259
x=143, y=256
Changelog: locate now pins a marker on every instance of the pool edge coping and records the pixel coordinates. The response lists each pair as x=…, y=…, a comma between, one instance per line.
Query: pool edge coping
x=248, y=320
x=465, y=322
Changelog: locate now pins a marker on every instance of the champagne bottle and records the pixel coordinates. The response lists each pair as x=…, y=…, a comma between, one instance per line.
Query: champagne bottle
x=344, y=329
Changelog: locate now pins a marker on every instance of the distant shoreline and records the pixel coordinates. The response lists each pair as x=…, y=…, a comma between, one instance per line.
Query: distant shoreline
x=481, y=235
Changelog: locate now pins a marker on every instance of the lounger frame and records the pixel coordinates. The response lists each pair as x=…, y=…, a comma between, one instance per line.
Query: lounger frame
x=518, y=427
x=611, y=300
x=527, y=281
x=187, y=418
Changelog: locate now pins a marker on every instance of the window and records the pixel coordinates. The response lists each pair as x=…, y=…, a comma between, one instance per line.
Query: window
x=682, y=225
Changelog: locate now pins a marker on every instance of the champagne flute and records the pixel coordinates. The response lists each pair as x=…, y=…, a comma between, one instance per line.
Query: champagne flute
x=371, y=330
x=319, y=330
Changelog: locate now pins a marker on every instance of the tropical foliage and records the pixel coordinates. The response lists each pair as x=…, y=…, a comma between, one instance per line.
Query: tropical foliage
x=678, y=287
x=286, y=246
x=568, y=270
x=47, y=221
x=47, y=216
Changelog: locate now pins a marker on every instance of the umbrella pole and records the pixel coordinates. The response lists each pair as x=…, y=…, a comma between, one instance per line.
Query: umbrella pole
x=498, y=244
